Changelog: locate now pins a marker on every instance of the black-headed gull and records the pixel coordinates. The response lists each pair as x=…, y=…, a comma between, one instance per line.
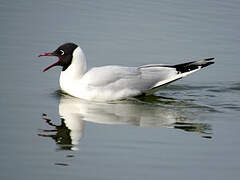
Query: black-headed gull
x=114, y=82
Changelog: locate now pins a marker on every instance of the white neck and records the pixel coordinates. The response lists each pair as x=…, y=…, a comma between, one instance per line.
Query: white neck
x=75, y=71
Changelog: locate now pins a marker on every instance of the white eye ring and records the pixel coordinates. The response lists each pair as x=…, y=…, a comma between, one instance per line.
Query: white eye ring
x=62, y=52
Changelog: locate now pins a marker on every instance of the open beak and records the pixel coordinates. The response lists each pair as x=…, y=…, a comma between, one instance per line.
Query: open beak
x=54, y=64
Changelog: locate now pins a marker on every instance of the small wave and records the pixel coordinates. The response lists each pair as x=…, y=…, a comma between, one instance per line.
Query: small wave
x=225, y=87
x=195, y=127
x=235, y=87
x=184, y=87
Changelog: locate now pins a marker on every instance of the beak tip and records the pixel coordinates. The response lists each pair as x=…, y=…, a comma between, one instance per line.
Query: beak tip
x=49, y=54
x=45, y=54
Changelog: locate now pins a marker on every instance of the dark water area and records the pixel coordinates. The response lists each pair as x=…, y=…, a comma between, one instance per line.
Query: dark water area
x=188, y=130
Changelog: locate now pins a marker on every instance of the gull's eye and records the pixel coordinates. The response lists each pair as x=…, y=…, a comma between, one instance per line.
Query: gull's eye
x=61, y=52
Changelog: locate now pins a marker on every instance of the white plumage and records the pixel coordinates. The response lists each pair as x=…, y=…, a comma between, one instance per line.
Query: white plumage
x=109, y=83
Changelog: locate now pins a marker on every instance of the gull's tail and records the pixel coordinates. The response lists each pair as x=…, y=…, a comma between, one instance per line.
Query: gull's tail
x=182, y=70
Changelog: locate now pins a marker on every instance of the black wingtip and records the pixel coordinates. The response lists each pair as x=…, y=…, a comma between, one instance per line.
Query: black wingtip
x=207, y=64
x=209, y=59
x=190, y=66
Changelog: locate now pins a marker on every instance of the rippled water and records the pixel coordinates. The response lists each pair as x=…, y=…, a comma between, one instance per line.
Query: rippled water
x=189, y=130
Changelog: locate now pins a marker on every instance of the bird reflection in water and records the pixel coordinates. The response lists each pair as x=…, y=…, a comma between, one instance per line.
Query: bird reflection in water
x=62, y=134
x=153, y=111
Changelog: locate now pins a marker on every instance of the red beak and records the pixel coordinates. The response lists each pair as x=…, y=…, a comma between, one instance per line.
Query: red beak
x=54, y=64
x=46, y=54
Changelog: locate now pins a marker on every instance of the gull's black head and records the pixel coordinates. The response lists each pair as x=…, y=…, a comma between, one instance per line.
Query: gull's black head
x=64, y=54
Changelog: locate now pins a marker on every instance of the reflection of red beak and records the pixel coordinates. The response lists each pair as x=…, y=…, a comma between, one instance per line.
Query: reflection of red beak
x=54, y=64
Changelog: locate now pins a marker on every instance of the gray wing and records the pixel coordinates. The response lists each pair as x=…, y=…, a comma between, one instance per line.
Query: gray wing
x=135, y=78
x=144, y=79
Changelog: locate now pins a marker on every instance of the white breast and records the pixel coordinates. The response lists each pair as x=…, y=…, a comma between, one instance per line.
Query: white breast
x=72, y=75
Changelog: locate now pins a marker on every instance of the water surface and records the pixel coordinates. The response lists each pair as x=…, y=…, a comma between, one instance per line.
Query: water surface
x=185, y=131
